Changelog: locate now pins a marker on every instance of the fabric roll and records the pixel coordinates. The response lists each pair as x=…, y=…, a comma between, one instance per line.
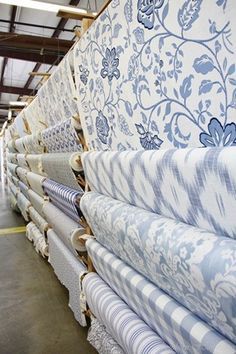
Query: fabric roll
x=58, y=167
x=62, y=138
x=195, y=186
x=35, y=164
x=36, y=182
x=23, y=204
x=13, y=188
x=21, y=160
x=13, y=202
x=130, y=332
x=22, y=174
x=67, y=229
x=35, y=117
x=24, y=189
x=33, y=143
x=20, y=147
x=38, y=239
x=12, y=169
x=11, y=146
x=173, y=322
x=19, y=123
x=36, y=201
x=15, y=180
x=178, y=258
x=64, y=198
x=69, y=271
x=101, y=340
x=12, y=158
x=38, y=220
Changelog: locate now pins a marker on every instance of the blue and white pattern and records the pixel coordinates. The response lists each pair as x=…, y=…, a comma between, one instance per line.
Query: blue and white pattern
x=130, y=332
x=56, y=98
x=68, y=270
x=61, y=138
x=174, y=323
x=158, y=74
x=196, y=186
x=63, y=197
x=195, y=267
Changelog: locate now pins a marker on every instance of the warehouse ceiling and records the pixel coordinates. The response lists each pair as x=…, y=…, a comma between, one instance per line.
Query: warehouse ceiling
x=20, y=55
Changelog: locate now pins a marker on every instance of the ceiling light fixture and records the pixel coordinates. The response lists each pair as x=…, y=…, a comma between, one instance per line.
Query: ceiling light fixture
x=46, y=6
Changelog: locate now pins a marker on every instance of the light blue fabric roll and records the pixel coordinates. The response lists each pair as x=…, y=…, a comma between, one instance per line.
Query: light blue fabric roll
x=130, y=332
x=195, y=267
x=196, y=186
x=181, y=329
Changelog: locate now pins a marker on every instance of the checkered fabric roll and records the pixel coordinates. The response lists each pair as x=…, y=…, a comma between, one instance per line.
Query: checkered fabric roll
x=179, y=327
x=130, y=332
x=64, y=198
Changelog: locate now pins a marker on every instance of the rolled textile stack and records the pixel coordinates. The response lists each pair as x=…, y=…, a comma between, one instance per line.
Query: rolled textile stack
x=38, y=239
x=22, y=162
x=38, y=220
x=23, y=204
x=35, y=164
x=24, y=189
x=36, y=182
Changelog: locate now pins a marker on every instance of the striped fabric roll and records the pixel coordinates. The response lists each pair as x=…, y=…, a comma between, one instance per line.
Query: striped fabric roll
x=179, y=327
x=64, y=198
x=132, y=334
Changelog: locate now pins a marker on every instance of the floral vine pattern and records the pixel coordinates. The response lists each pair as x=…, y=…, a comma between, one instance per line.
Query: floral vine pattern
x=158, y=74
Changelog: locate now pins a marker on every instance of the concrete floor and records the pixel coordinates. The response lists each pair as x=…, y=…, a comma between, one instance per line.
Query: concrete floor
x=34, y=313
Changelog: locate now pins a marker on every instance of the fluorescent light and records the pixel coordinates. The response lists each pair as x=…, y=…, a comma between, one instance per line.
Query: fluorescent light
x=18, y=104
x=45, y=6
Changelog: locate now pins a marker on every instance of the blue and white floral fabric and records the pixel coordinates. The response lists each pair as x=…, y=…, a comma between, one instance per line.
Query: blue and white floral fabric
x=195, y=267
x=196, y=186
x=158, y=74
x=179, y=328
x=130, y=332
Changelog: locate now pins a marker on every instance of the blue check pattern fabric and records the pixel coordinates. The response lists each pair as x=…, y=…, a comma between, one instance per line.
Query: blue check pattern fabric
x=192, y=265
x=63, y=197
x=130, y=332
x=196, y=186
x=181, y=329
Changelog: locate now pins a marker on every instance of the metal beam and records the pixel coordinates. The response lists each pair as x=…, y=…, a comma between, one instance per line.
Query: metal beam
x=16, y=90
x=49, y=59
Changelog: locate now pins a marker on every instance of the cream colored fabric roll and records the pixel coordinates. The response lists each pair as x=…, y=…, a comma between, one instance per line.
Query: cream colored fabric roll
x=11, y=146
x=35, y=164
x=38, y=239
x=37, y=202
x=36, y=182
x=22, y=174
x=75, y=162
x=12, y=157
x=21, y=159
x=33, y=143
x=12, y=169
x=23, y=204
x=13, y=188
x=15, y=180
x=34, y=117
x=58, y=167
x=20, y=147
x=38, y=220
x=13, y=202
x=67, y=229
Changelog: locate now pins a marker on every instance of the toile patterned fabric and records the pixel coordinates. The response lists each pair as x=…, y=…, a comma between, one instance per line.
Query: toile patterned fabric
x=173, y=322
x=64, y=198
x=56, y=98
x=35, y=117
x=196, y=186
x=38, y=239
x=62, y=138
x=69, y=270
x=130, y=332
x=195, y=267
x=177, y=89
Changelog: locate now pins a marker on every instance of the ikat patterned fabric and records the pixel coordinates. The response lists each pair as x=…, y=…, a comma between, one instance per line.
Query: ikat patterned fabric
x=195, y=267
x=159, y=74
x=179, y=328
x=196, y=186
x=130, y=332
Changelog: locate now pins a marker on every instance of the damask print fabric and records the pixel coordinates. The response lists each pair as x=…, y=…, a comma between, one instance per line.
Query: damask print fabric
x=174, y=323
x=68, y=269
x=158, y=75
x=61, y=138
x=196, y=186
x=130, y=332
x=173, y=255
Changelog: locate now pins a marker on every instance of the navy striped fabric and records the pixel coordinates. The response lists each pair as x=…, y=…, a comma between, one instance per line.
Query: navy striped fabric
x=130, y=332
x=65, y=198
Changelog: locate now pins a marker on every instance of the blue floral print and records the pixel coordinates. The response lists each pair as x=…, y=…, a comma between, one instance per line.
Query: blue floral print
x=219, y=135
x=102, y=127
x=110, y=65
x=147, y=11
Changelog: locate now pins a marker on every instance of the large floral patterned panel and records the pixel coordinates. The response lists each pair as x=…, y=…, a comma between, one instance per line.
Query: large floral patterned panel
x=195, y=267
x=196, y=186
x=56, y=97
x=158, y=74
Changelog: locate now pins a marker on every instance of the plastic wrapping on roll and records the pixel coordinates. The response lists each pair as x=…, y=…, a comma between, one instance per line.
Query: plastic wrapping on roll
x=36, y=182
x=21, y=160
x=23, y=204
x=38, y=239
x=38, y=220
x=35, y=164
x=67, y=229
x=37, y=202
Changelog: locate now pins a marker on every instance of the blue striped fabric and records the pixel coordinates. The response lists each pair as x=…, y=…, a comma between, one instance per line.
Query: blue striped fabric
x=130, y=332
x=65, y=198
x=181, y=329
